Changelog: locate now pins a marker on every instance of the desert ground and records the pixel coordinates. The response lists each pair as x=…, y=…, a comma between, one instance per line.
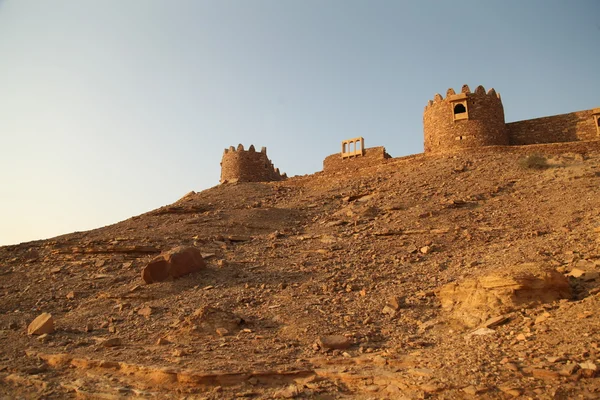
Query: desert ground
x=458, y=276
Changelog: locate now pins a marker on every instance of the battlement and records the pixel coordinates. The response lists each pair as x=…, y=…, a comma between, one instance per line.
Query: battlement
x=463, y=120
x=465, y=93
x=475, y=119
x=239, y=165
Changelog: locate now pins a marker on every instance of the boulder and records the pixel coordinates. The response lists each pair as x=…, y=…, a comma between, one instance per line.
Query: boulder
x=42, y=324
x=475, y=300
x=174, y=263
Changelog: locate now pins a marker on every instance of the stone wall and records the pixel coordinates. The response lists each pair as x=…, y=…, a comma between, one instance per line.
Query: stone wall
x=570, y=127
x=482, y=124
x=239, y=165
x=372, y=156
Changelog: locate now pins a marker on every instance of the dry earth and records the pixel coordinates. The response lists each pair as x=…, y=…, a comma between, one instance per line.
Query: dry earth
x=361, y=254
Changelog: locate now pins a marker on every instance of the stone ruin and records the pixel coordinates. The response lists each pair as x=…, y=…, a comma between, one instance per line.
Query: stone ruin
x=239, y=165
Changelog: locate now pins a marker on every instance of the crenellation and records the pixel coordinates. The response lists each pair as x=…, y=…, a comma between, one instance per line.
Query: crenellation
x=458, y=122
x=248, y=166
x=476, y=119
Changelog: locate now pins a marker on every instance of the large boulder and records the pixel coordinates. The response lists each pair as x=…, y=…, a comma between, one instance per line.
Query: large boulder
x=475, y=300
x=173, y=264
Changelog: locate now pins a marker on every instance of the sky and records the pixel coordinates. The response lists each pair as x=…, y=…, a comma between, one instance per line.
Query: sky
x=112, y=108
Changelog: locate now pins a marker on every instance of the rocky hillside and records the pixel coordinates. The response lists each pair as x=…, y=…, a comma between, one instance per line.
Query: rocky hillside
x=461, y=276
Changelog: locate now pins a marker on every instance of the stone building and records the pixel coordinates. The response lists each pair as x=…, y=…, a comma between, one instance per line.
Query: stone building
x=467, y=120
x=239, y=165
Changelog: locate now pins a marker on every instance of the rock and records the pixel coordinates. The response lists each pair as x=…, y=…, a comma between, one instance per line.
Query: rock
x=211, y=320
x=588, y=369
x=112, y=342
x=44, y=338
x=495, y=321
x=473, y=391
x=388, y=310
x=425, y=249
x=70, y=295
x=334, y=342
x=289, y=392
x=222, y=331
x=473, y=301
x=42, y=324
x=545, y=373
x=174, y=263
x=145, y=311
x=162, y=341
x=511, y=390
x=569, y=369
x=482, y=332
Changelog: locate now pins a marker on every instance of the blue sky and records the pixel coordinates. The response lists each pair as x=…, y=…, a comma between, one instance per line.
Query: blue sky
x=112, y=108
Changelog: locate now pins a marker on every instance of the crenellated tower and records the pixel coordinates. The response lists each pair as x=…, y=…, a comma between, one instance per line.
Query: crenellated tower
x=239, y=165
x=464, y=120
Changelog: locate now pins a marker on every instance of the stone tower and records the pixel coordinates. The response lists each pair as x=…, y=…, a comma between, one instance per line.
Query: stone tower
x=239, y=165
x=464, y=120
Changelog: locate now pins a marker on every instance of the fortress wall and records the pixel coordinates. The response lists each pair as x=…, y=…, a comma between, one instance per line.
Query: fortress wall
x=570, y=127
x=372, y=156
x=484, y=126
x=239, y=165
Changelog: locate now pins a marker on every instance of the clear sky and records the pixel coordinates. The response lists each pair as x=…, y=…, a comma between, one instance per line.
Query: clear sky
x=112, y=108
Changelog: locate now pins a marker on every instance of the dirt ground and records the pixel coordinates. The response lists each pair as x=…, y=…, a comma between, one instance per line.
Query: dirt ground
x=290, y=263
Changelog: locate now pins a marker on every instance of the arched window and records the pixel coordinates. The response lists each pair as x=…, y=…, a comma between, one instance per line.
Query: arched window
x=459, y=109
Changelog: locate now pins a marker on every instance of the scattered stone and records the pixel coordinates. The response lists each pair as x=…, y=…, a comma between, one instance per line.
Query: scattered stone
x=44, y=337
x=542, y=318
x=473, y=301
x=290, y=392
x=210, y=319
x=544, y=373
x=511, y=390
x=222, y=331
x=175, y=263
x=334, y=342
x=42, y=324
x=179, y=353
x=495, y=321
x=569, y=369
x=474, y=391
x=112, y=342
x=482, y=332
x=145, y=311
x=588, y=369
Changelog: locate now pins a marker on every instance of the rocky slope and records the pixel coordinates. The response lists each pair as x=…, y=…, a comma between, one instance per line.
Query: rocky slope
x=327, y=286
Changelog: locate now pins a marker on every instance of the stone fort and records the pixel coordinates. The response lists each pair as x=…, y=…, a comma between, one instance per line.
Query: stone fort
x=458, y=122
x=239, y=165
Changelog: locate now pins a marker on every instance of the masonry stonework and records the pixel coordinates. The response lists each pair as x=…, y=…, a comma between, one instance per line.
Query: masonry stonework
x=467, y=120
x=371, y=156
x=572, y=127
x=239, y=165
x=464, y=120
